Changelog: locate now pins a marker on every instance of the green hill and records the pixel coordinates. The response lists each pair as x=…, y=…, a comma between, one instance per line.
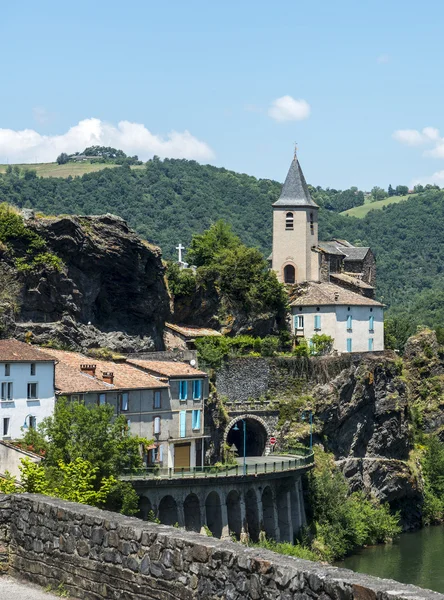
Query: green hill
x=361, y=211
x=70, y=169
x=167, y=201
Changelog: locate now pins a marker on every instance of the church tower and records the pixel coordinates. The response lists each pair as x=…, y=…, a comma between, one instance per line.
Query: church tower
x=295, y=230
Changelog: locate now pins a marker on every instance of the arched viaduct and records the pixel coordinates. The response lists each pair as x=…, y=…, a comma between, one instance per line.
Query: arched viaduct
x=233, y=505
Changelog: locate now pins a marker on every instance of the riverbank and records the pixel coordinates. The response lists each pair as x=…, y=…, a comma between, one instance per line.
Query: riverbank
x=415, y=558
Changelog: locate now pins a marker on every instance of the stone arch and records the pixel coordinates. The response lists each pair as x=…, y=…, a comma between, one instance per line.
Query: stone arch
x=258, y=435
x=214, y=514
x=289, y=268
x=269, y=524
x=191, y=508
x=234, y=513
x=168, y=514
x=145, y=507
x=252, y=513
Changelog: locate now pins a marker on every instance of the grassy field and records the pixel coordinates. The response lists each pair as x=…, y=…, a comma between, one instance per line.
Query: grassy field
x=73, y=169
x=361, y=211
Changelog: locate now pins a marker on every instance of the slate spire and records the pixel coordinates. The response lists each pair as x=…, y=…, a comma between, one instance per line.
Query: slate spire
x=295, y=190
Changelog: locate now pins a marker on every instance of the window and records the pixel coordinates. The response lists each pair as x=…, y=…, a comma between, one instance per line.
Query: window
x=197, y=389
x=289, y=274
x=289, y=221
x=371, y=324
x=183, y=390
x=101, y=399
x=349, y=323
x=7, y=370
x=6, y=422
x=123, y=401
x=196, y=420
x=300, y=322
x=156, y=425
x=32, y=422
x=6, y=393
x=317, y=322
x=32, y=391
x=77, y=398
x=157, y=399
x=32, y=369
x=349, y=344
x=370, y=344
x=183, y=423
x=311, y=224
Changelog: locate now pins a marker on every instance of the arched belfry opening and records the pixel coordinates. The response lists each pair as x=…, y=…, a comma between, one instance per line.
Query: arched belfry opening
x=289, y=274
x=254, y=433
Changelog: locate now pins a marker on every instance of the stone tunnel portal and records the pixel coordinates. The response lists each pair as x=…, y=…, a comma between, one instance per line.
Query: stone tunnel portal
x=256, y=437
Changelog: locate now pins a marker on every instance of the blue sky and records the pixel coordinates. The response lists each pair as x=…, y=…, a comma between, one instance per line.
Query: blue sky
x=343, y=77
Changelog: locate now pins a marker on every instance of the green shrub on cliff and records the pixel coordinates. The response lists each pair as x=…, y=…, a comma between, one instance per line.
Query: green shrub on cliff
x=432, y=463
x=27, y=248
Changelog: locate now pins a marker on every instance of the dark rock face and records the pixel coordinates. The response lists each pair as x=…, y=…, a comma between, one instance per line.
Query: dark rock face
x=363, y=412
x=111, y=291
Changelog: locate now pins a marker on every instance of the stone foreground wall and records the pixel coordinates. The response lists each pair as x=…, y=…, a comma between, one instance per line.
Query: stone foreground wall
x=101, y=555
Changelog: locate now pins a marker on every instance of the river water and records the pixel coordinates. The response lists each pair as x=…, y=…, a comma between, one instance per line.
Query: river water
x=416, y=558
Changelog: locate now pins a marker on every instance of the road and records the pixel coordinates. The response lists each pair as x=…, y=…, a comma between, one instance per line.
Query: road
x=11, y=589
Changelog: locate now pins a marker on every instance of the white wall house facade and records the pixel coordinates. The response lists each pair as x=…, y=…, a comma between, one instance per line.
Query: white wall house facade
x=27, y=392
x=353, y=328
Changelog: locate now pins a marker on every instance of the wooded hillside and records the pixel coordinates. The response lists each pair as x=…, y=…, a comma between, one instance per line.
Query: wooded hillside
x=167, y=201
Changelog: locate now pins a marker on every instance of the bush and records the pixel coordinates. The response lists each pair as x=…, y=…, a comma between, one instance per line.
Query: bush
x=269, y=346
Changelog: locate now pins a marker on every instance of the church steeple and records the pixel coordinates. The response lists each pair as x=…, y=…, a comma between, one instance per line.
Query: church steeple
x=295, y=190
x=295, y=230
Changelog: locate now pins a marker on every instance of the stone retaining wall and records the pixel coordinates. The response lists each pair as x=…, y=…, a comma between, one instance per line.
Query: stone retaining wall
x=101, y=555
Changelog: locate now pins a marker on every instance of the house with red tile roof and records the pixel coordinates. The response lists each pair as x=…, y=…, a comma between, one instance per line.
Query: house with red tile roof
x=188, y=389
x=27, y=392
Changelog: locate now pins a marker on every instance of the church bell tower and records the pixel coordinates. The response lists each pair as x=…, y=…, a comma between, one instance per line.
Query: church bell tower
x=295, y=230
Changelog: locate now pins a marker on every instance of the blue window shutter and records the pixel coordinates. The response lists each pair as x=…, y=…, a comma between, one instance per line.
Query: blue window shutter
x=183, y=390
x=197, y=384
x=295, y=322
x=317, y=322
x=198, y=419
x=349, y=322
x=371, y=323
x=349, y=344
x=193, y=420
x=370, y=344
x=183, y=423
x=161, y=453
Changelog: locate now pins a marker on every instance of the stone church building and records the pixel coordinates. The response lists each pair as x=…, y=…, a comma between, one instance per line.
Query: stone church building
x=331, y=284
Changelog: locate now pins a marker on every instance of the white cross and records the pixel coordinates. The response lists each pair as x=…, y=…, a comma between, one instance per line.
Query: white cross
x=180, y=248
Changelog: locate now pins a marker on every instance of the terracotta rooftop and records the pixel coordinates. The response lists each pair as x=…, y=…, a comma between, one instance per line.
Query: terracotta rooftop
x=167, y=368
x=348, y=278
x=12, y=350
x=192, y=332
x=69, y=377
x=322, y=294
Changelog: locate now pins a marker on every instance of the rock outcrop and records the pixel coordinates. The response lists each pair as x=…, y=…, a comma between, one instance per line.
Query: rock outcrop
x=110, y=292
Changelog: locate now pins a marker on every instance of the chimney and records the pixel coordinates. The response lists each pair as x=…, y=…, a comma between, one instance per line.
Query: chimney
x=108, y=377
x=88, y=369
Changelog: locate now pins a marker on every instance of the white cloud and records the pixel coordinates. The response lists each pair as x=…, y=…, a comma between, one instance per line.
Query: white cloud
x=413, y=137
x=437, y=178
x=287, y=108
x=383, y=59
x=133, y=138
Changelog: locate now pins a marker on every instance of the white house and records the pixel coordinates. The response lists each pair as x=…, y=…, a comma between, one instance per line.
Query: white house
x=26, y=387
x=331, y=284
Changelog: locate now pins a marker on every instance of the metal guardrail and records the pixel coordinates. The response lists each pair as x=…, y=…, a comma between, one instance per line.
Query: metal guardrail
x=280, y=465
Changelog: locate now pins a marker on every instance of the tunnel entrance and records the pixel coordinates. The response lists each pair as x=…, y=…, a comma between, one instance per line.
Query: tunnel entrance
x=256, y=437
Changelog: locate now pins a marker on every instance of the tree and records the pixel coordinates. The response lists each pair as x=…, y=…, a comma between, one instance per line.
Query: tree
x=77, y=433
x=391, y=191
x=378, y=193
x=402, y=190
x=62, y=158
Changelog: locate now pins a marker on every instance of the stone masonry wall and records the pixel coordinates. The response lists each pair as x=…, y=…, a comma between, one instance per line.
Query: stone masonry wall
x=100, y=555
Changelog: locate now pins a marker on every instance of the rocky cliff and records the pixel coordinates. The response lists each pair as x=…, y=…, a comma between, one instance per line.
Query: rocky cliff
x=105, y=286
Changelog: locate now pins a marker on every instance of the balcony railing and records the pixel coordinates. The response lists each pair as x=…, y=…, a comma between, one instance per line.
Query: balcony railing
x=260, y=467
